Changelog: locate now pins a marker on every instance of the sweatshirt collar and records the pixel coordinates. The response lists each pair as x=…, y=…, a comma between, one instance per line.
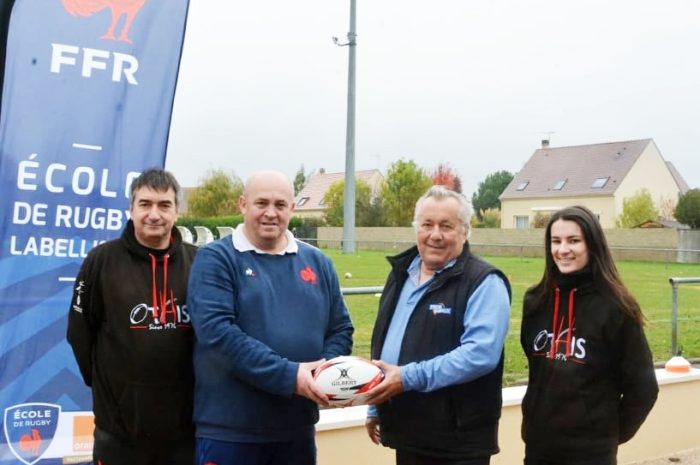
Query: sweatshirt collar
x=573, y=280
x=134, y=246
x=242, y=244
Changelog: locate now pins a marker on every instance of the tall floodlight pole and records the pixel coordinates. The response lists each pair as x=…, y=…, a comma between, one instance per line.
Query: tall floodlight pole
x=349, y=193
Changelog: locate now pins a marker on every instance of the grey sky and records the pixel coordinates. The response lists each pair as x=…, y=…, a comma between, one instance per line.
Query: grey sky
x=473, y=83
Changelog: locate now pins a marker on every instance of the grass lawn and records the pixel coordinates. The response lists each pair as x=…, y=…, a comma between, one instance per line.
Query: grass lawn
x=648, y=281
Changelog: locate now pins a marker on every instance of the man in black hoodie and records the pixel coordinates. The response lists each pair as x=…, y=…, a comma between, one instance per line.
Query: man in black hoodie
x=131, y=335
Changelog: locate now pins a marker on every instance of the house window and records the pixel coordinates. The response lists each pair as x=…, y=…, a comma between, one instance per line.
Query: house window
x=322, y=202
x=521, y=222
x=599, y=183
x=559, y=185
x=522, y=186
x=302, y=201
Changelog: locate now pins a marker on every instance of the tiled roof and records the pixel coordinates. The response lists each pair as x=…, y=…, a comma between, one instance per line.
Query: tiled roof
x=317, y=186
x=682, y=185
x=575, y=169
x=663, y=224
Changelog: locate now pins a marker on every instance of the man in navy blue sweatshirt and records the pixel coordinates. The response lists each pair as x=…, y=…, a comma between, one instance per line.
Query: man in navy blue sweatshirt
x=266, y=310
x=442, y=320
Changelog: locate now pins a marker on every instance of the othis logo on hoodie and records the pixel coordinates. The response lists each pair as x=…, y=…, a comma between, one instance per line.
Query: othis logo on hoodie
x=175, y=316
x=542, y=344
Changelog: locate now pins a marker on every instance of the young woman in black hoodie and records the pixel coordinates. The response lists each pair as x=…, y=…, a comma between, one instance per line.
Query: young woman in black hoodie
x=591, y=376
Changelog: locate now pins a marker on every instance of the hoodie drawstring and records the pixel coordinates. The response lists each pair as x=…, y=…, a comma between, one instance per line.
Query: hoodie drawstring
x=160, y=308
x=154, y=300
x=556, y=329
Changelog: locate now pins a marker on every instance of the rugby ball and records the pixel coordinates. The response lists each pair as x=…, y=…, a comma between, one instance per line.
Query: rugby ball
x=346, y=379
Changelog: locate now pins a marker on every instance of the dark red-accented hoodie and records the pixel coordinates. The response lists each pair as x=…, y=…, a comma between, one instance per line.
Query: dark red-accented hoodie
x=591, y=375
x=131, y=335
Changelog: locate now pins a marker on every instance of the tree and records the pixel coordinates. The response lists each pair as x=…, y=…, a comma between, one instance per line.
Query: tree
x=300, y=179
x=373, y=215
x=367, y=210
x=444, y=175
x=491, y=219
x=541, y=220
x=637, y=209
x=217, y=195
x=489, y=190
x=404, y=184
x=667, y=208
x=688, y=208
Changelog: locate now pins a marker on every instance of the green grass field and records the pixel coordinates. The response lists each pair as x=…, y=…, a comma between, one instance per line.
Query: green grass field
x=648, y=281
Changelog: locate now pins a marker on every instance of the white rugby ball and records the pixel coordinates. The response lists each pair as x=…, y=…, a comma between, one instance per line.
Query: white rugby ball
x=346, y=379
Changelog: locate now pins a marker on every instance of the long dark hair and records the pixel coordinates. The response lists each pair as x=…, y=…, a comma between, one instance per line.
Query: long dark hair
x=600, y=262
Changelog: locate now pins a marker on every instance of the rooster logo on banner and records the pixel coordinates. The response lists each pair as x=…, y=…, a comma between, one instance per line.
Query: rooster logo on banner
x=119, y=8
x=30, y=429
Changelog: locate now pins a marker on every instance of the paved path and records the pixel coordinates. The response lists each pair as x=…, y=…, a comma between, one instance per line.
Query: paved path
x=690, y=457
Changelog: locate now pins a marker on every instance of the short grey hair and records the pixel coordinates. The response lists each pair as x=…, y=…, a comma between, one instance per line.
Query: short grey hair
x=156, y=179
x=439, y=192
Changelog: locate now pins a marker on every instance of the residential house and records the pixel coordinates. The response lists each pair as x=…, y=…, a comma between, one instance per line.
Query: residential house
x=598, y=176
x=309, y=201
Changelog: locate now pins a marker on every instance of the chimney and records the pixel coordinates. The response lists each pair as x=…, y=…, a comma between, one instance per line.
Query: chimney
x=321, y=170
x=545, y=143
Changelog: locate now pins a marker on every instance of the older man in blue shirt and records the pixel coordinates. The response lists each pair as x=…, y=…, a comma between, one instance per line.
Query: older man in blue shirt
x=439, y=336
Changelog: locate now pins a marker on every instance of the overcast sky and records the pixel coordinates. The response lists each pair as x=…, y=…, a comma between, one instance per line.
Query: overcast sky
x=473, y=83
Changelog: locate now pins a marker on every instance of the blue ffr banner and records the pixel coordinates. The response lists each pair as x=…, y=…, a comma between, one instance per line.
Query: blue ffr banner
x=86, y=104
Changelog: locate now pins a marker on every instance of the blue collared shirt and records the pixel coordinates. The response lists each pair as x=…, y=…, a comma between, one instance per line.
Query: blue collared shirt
x=485, y=327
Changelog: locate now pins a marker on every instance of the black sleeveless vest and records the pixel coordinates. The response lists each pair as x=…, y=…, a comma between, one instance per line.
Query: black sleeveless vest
x=457, y=421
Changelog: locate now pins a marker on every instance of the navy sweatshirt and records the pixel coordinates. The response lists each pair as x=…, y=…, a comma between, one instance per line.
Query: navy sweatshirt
x=256, y=317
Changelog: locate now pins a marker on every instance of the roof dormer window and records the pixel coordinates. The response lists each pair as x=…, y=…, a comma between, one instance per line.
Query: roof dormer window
x=599, y=183
x=302, y=201
x=522, y=186
x=559, y=185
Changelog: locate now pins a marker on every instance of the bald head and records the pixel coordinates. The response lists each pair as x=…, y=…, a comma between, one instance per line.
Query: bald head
x=267, y=205
x=269, y=179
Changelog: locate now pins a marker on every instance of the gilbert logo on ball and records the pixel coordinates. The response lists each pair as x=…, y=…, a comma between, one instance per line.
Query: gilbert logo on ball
x=346, y=379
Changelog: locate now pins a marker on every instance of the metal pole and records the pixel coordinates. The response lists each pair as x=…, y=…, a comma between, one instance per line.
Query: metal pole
x=674, y=318
x=349, y=193
x=674, y=309
x=362, y=290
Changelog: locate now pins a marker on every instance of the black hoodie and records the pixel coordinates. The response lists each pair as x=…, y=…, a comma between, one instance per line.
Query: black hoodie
x=590, y=390
x=131, y=335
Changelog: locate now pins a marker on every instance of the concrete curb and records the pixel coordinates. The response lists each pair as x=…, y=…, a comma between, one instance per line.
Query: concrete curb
x=688, y=457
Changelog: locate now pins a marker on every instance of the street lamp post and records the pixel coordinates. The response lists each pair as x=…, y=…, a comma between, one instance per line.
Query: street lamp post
x=349, y=193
